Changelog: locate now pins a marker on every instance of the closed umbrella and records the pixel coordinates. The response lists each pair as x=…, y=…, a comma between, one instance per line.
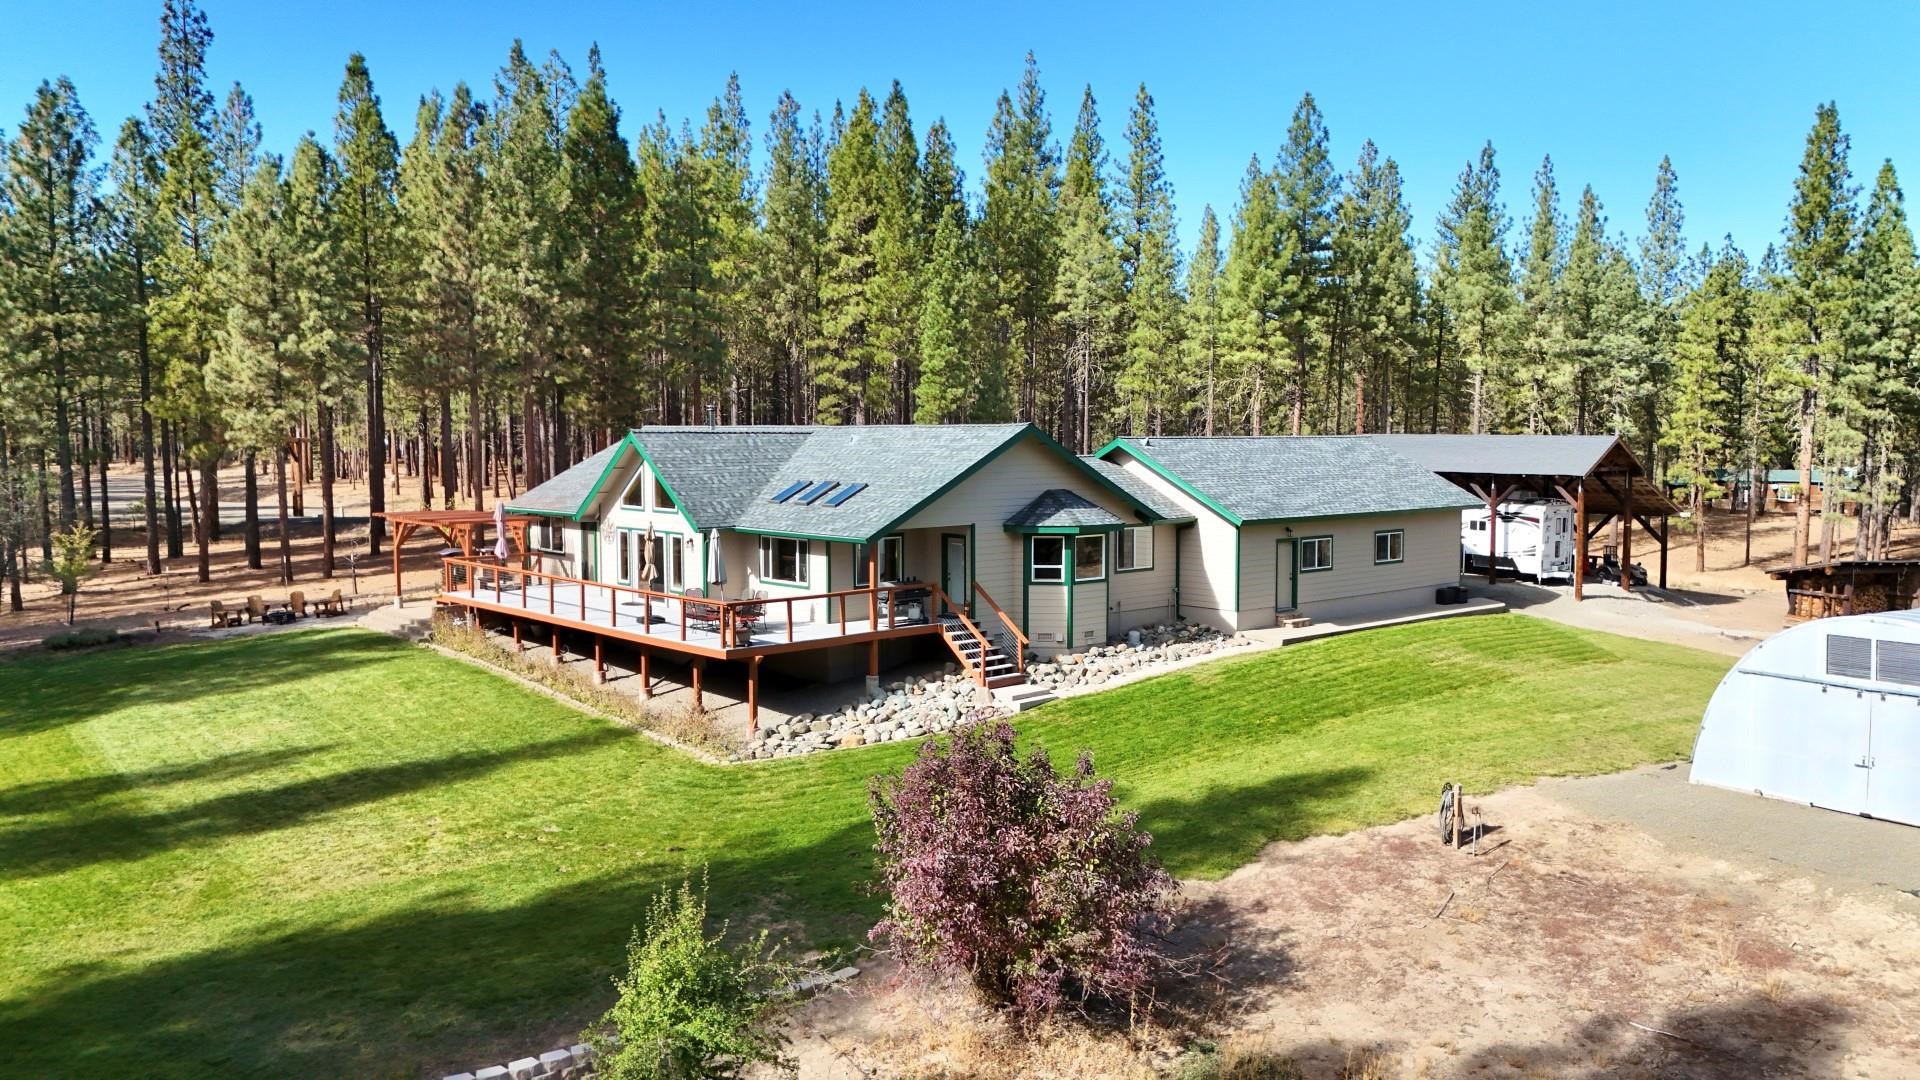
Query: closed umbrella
x=500, y=531
x=716, y=563
x=649, y=573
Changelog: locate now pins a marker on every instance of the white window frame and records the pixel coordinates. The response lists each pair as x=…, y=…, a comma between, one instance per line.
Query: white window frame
x=635, y=497
x=1126, y=554
x=623, y=560
x=770, y=559
x=1078, y=565
x=661, y=498
x=1056, y=570
x=1396, y=546
x=893, y=555
x=1309, y=565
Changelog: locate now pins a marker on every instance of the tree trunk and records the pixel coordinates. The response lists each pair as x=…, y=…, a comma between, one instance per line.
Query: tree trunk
x=1699, y=530
x=326, y=491
x=85, y=463
x=209, y=530
x=252, y=528
x=175, y=542
x=1802, y=509
x=280, y=487
x=106, y=504
x=476, y=442
x=145, y=359
x=63, y=437
x=376, y=428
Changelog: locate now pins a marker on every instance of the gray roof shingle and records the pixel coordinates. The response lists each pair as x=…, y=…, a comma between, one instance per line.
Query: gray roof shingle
x=1536, y=455
x=1287, y=478
x=1057, y=508
x=1163, y=508
x=568, y=491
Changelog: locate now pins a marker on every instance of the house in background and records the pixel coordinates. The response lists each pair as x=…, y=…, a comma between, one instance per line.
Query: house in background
x=1286, y=526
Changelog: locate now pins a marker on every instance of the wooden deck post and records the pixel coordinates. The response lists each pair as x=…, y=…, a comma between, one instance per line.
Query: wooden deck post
x=1580, y=539
x=753, y=694
x=873, y=666
x=646, y=674
x=517, y=647
x=699, y=665
x=1665, y=532
x=556, y=646
x=1626, y=535
x=599, y=661
x=873, y=586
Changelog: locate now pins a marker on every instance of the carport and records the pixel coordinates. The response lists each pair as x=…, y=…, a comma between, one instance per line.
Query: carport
x=1596, y=473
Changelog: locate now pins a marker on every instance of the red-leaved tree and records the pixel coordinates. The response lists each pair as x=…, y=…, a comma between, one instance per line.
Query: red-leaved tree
x=1032, y=885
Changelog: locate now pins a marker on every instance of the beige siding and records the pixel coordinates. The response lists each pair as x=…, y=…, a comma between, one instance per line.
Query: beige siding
x=992, y=495
x=1089, y=613
x=1207, y=550
x=1355, y=584
x=1141, y=597
x=1047, y=619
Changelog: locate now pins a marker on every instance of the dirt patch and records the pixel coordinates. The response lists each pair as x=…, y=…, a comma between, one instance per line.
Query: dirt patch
x=1571, y=946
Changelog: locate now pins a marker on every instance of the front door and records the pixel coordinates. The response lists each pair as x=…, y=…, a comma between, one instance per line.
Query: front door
x=1286, y=577
x=590, y=552
x=953, y=569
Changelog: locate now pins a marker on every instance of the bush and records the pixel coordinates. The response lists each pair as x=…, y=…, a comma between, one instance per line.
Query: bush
x=1030, y=884
x=689, y=1006
x=84, y=637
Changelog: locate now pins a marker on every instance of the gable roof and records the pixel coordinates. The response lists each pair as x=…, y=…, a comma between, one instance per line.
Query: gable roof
x=567, y=493
x=1163, y=508
x=731, y=477
x=1255, y=478
x=1058, y=508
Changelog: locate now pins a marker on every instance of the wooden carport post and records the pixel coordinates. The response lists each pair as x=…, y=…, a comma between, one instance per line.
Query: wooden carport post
x=1626, y=534
x=1665, y=532
x=401, y=532
x=1580, y=539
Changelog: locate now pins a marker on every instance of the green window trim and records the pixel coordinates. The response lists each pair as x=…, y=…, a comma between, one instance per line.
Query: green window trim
x=1063, y=565
x=1151, y=552
x=1300, y=554
x=1401, y=557
x=860, y=563
x=1102, y=576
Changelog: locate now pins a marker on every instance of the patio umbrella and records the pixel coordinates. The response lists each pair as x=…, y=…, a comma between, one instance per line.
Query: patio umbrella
x=500, y=531
x=716, y=563
x=648, y=572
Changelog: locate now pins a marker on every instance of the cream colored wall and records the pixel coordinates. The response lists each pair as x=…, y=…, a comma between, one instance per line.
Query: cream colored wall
x=1140, y=597
x=992, y=495
x=1206, y=551
x=1355, y=584
x=1047, y=618
x=1089, y=613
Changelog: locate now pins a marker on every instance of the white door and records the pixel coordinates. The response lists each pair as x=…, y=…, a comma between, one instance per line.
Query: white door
x=1822, y=745
x=1893, y=751
x=953, y=569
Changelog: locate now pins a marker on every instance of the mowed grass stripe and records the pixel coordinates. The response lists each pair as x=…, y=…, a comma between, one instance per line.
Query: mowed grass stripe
x=327, y=850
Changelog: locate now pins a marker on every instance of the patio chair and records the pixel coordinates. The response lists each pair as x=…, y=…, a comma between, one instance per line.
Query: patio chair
x=297, y=603
x=222, y=617
x=256, y=609
x=334, y=605
x=703, y=615
x=749, y=615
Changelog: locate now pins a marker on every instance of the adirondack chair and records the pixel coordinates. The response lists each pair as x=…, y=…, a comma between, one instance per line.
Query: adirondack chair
x=333, y=605
x=297, y=603
x=256, y=609
x=221, y=616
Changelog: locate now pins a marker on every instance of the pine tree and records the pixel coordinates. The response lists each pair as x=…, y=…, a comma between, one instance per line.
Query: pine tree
x=1883, y=377
x=599, y=293
x=1205, y=322
x=1019, y=242
x=1089, y=287
x=1307, y=188
x=1254, y=296
x=899, y=247
x=49, y=270
x=1663, y=283
x=1150, y=371
x=1716, y=323
x=235, y=147
x=1819, y=235
x=725, y=201
x=1474, y=281
x=793, y=236
x=1376, y=290
x=324, y=349
x=448, y=214
x=131, y=242
x=369, y=224
x=1540, y=344
x=850, y=357
x=949, y=327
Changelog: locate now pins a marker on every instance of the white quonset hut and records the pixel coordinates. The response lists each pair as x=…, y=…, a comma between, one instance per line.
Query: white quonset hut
x=1826, y=713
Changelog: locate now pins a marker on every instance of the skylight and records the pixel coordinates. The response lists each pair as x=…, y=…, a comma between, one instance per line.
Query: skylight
x=790, y=490
x=812, y=494
x=846, y=493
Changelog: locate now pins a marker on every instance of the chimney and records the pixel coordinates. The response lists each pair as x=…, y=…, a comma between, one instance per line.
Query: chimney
x=713, y=416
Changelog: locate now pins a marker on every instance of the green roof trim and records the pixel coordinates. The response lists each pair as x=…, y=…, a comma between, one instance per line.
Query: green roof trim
x=1133, y=451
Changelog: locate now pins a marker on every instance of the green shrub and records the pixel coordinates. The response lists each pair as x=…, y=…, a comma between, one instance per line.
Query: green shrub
x=82, y=637
x=689, y=1005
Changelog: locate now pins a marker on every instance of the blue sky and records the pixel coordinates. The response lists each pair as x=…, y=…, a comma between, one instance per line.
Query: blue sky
x=1606, y=89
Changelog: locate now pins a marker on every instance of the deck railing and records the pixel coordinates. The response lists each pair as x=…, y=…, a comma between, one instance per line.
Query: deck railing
x=726, y=617
x=979, y=660
x=1012, y=628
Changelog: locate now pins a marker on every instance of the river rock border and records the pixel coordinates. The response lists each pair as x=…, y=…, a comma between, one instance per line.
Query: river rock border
x=910, y=708
x=565, y=1064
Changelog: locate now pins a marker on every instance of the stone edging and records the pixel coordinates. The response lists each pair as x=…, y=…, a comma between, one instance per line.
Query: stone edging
x=573, y=1061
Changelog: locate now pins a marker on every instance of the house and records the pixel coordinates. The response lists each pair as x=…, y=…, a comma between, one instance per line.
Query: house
x=1315, y=526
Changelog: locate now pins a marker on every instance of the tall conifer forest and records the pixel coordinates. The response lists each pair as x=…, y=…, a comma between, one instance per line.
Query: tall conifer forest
x=466, y=313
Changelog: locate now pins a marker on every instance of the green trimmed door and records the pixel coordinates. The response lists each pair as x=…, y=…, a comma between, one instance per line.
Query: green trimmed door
x=953, y=569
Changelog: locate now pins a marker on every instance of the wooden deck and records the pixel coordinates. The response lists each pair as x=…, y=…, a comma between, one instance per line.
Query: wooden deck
x=710, y=628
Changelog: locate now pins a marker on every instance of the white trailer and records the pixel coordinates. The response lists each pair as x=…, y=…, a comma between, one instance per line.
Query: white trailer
x=1825, y=713
x=1535, y=539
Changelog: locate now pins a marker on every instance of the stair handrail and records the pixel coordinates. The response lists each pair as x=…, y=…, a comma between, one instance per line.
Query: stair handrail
x=980, y=672
x=1020, y=652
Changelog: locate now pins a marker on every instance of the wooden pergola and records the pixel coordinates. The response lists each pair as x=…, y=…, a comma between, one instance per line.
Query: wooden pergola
x=1598, y=474
x=456, y=528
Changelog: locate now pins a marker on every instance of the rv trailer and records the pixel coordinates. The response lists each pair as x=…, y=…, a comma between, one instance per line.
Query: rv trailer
x=1535, y=539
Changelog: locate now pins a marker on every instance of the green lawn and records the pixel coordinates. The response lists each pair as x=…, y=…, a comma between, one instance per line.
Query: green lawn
x=330, y=852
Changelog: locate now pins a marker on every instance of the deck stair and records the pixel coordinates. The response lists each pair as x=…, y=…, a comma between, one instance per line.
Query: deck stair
x=1023, y=697
x=994, y=661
